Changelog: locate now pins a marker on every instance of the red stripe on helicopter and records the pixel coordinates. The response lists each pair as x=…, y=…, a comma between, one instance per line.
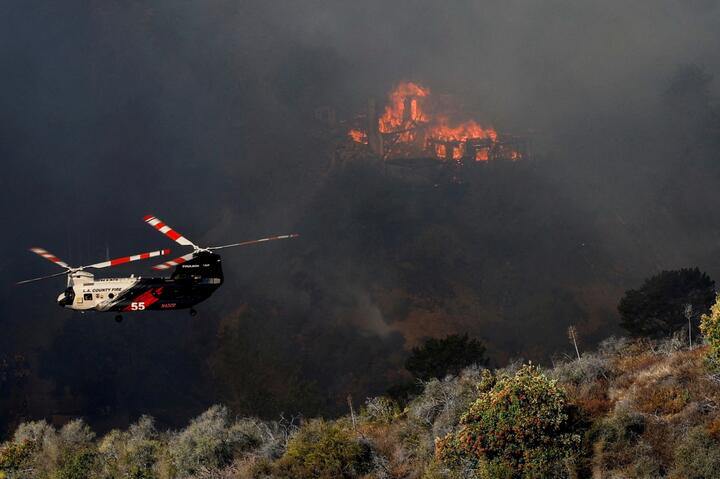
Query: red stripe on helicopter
x=118, y=261
x=162, y=227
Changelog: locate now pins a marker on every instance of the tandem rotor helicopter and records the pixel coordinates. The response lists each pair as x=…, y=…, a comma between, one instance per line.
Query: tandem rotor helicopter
x=196, y=277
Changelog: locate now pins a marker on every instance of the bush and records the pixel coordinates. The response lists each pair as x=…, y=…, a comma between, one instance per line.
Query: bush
x=133, y=453
x=442, y=403
x=36, y=446
x=658, y=308
x=710, y=328
x=697, y=456
x=380, y=410
x=588, y=369
x=519, y=426
x=209, y=441
x=323, y=450
x=15, y=457
x=76, y=464
x=616, y=438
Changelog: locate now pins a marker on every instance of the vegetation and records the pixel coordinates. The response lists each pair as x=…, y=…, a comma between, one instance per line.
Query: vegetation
x=710, y=327
x=634, y=409
x=520, y=425
x=324, y=450
x=665, y=302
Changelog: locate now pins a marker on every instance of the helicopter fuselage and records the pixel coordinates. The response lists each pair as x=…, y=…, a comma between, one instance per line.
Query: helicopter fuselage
x=190, y=283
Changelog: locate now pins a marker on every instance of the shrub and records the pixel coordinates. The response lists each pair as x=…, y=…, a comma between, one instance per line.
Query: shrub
x=710, y=328
x=15, y=457
x=25, y=451
x=131, y=454
x=443, y=402
x=519, y=426
x=323, y=450
x=209, y=441
x=76, y=464
x=65, y=454
x=380, y=410
x=589, y=368
x=616, y=436
x=697, y=456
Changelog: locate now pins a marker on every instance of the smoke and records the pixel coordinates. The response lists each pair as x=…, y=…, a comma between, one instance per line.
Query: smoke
x=200, y=113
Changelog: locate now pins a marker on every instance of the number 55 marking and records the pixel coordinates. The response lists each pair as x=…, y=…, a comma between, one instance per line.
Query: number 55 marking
x=137, y=306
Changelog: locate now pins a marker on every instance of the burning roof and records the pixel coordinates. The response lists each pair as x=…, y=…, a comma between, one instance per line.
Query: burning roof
x=413, y=125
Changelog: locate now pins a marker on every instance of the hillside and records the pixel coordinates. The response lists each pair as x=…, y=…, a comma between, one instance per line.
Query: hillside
x=633, y=408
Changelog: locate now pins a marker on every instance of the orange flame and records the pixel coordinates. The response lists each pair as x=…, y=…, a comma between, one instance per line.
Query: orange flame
x=406, y=117
x=442, y=130
x=358, y=136
x=404, y=107
x=482, y=155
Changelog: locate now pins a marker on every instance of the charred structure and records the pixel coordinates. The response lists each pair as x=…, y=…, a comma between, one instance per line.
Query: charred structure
x=418, y=130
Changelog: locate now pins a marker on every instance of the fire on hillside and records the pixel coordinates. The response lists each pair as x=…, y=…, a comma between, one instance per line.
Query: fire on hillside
x=415, y=124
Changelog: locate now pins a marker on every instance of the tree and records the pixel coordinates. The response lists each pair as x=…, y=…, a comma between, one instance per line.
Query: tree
x=659, y=307
x=437, y=358
x=520, y=426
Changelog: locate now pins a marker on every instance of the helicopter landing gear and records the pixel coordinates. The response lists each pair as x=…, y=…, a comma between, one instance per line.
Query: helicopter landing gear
x=193, y=312
x=118, y=318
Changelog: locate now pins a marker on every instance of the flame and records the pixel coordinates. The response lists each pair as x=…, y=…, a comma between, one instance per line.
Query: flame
x=458, y=152
x=469, y=129
x=440, y=151
x=405, y=95
x=358, y=136
x=407, y=119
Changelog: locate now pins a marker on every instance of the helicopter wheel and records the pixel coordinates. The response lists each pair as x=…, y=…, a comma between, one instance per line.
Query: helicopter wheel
x=193, y=312
x=118, y=318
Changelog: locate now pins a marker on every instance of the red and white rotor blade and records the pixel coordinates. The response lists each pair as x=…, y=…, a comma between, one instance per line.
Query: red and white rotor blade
x=128, y=259
x=158, y=224
x=174, y=262
x=50, y=257
x=261, y=240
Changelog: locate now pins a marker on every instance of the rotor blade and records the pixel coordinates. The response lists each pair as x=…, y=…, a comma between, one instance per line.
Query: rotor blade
x=44, y=277
x=262, y=240
x=168, y=231
x=174, y=262
x=127, y=259
x=50, y=257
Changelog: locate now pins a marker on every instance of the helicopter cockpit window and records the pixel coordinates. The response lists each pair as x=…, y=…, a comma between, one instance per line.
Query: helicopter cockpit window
x=88, y=296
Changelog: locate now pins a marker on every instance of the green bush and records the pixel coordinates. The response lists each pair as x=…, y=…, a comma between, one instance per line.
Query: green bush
x=520, y=425
x=209, y=441
x=76, y=464
x=133, y=453
x=324, y=450
x=15, y=457
x=710, y=328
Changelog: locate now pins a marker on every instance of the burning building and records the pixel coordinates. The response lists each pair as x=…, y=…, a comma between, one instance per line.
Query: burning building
x=415, y=125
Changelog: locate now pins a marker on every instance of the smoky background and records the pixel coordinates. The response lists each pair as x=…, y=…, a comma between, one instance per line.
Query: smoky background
x=201, y=113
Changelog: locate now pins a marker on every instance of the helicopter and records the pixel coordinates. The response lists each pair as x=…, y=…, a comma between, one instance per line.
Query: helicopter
x=195, y=278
